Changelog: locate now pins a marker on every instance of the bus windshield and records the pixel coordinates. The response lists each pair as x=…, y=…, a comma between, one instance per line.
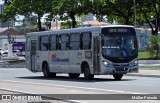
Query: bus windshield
x=119, y=45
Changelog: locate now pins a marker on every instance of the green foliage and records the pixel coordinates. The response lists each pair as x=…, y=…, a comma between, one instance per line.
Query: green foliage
x=153, y=47
x=68, y=9
x=99, y=8
x=143, y=55
x=121, y=11
x=146, y=56
x=148, y=11
x=66, y=25
x=26, y=8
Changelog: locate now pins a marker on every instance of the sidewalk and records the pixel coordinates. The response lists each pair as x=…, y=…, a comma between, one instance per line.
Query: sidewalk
x=146, y=72
x=149, y=62
x=145, y=69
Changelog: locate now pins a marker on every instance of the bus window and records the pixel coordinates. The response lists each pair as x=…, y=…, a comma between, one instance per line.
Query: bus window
x=53, y=42
x=74, y=41
x=86, y=41
x=63, y=42
x=44, y=43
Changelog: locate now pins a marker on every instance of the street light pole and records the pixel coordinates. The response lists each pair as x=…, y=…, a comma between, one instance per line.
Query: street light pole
x=135, y=24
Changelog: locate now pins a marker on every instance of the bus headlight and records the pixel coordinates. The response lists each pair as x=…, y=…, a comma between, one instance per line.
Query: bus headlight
x=134, y=63
x=106, y=63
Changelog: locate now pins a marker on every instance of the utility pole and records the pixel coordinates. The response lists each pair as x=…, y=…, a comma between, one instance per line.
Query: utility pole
x=135, y=24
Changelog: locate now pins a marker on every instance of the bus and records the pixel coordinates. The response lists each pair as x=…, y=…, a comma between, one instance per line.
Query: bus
x=101, y=50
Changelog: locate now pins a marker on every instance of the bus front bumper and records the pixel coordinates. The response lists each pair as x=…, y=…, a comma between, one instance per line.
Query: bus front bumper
x=119, y=69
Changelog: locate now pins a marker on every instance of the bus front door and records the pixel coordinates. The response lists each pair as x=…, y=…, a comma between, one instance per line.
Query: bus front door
x=33, y=55
x=96, y=54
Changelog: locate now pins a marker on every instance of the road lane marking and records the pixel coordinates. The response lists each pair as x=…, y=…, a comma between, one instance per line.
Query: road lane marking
x=18, y=91
x=75, y=87
x=132, y=84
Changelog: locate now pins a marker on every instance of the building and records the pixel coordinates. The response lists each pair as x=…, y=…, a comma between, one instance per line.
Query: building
x=89, y=17
x=94, y=23
x=19, y=39
x=2, y=7
x=144, y=36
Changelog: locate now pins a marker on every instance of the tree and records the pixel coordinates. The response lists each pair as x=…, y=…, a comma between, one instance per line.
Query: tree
x=26, y=8
x=120, y=10
x=149, y=11
x=68, y=9
x=99, y=9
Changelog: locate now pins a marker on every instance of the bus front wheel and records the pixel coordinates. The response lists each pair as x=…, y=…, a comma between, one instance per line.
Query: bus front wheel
x=73, y=75
x=87, y=73
x=117, y=76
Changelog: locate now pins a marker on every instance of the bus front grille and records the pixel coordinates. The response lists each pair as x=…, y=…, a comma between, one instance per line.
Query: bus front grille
x=121, y=69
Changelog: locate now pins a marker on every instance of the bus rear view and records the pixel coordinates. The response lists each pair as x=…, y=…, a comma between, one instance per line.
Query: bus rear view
x=119, y=51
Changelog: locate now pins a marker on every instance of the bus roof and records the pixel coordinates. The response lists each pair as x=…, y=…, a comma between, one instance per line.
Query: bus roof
x=74, y=30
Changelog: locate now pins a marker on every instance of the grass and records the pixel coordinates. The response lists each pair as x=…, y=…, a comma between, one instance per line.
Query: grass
x=147, y=56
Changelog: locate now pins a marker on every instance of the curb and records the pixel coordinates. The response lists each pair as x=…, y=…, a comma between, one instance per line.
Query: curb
x=145, y=75
x=149, y=62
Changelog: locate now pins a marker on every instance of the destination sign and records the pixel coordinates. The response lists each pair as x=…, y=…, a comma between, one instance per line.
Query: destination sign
x=115, y=30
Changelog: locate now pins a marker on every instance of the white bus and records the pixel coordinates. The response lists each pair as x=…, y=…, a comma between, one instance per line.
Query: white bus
x=92, y=51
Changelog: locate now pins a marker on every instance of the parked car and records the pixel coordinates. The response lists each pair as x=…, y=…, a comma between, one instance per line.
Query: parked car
x=5, y=54
x=17, y=52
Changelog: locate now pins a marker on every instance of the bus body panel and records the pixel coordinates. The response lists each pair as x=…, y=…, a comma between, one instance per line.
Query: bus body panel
x=75, y=59
x=59, y=62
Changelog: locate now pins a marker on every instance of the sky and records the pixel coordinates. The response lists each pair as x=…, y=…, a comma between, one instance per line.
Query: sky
x=1, y=2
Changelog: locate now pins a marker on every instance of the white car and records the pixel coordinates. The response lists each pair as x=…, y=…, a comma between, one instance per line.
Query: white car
x=17, y=52
x=5, y=54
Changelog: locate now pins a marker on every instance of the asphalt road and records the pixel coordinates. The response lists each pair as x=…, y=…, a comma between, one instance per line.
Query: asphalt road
x=20, y=79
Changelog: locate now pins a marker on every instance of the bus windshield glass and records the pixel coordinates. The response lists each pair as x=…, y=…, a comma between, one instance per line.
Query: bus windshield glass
x=119, y=45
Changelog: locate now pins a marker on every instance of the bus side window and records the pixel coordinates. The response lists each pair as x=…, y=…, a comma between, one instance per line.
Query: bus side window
x=52, y=42
x=44, y=43
x=74, y=41
x=64, y=42
x=86, y=41
x=57, y=42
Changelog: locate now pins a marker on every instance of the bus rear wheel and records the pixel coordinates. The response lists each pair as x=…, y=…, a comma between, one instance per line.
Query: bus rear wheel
x=117, y=76
x=73, y=75
x=87, y=73
x=46, y=71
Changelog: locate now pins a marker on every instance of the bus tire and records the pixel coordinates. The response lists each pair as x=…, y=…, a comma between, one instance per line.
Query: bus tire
x=87, y=74
x=117, y=76
x=46, y=71
x=73, y=75
x=53, y=75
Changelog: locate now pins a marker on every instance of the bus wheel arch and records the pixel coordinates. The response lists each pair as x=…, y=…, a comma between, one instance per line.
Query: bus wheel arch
x=83, y=64
x=86, y=70
x=46, y=71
